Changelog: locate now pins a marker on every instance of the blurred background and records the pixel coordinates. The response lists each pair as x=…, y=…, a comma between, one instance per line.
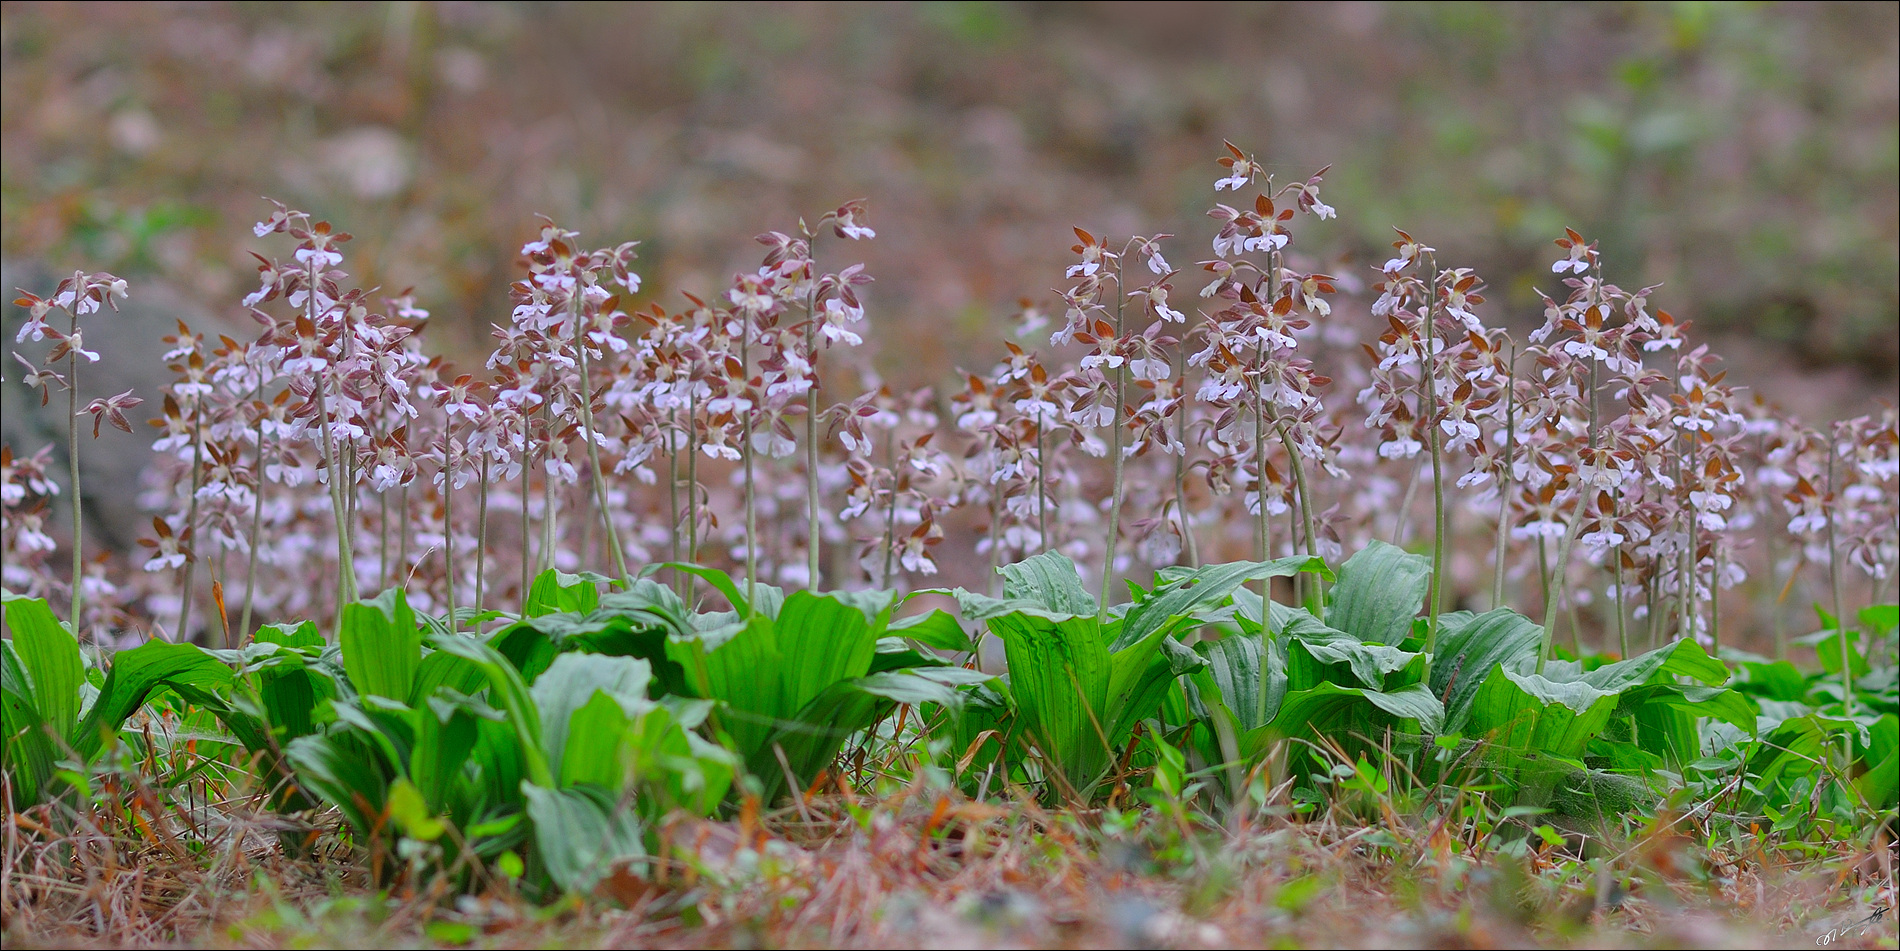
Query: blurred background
x=1744, y=155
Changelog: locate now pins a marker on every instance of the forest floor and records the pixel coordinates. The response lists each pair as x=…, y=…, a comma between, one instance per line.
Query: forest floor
x=922, y=869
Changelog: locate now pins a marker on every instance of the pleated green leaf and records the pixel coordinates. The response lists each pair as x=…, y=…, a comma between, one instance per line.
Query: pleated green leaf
x=50, y=654
x=1469, y=648
x=134, y=674
x=1380, y=591
x=1049, y=581
x=580, y=834
x=382, y=645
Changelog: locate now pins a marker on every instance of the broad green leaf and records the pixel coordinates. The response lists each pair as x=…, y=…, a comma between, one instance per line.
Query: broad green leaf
x=26, y=750
x=592, y=750
x=135, y=673
x=288, y=688
x=554, y=591
x=580, y=835
x=1774, y=680
x=678, y=768
x=972, y=606
x=571, y=682
x=1201, y=589
x=346, y=770
x=1530, y=714
x=1350, y=664
x=822, y=640
x=1878, y=619
x=1469, y=648
x=1049, y=580
x=1684, y=657
x=1140, y=676
x=812, y=739
x=1059, y=674
x=1880, y=784
x=647, y=602
x=496, y=763
x=50, y=654
x=1234, y=672
x=721, y=582
x=382, y=645
x=896, y=653
x=444, y=669
x=1719, y=703
x=445, y=734
x=938, y=629
x=508, y=692
x=937, y=685
x=1380, y=591
x=1331, y=711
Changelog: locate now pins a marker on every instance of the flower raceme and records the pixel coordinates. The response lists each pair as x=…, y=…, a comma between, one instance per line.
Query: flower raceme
x=1163, y=422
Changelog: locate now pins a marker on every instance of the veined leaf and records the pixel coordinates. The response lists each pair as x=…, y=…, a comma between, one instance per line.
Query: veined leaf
x=135, y=673
x=1684, y=657
x=1235, y=675
x=445, y=731
x=937, y=629
x=1332, y=711
x=1059, y=673
x=50, y=655
x=382, y=645
x=1880, y=784
x=1380, y=591
x=507, y=691
x=1204, y=588
x=1772, y=680
x=571, y=683
x=769, y=597
x=593, y=736
x=580, y=835
x=26, y=750
x=1140, y=676
x=1350, y=664
x=822, y=640
x=1050, y=581
x=345, y=768
x=288, y=688
x=553, y=591
x=1524, y=714
x=1469, y=648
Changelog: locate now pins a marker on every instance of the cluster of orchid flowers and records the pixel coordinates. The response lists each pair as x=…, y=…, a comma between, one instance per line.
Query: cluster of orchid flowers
x=1610, y=462
x=26, y=487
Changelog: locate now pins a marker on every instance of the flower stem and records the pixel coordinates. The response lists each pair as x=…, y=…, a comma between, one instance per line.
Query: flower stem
x=593, y=447
x=812, y=529
x=1115, y=449
x=692, y=481
x=1042, y=485
x=1550, y=603
x=1180, y=458
x=1307, y=524
x=890, y=515
x=751, y=518
x=257, y=517
x=481, y=535
x=191, y=515
x=1506, y=478
x=448, y=523
x=72, y=455
x=673, y=489
x=1834, y=585
x=1429, y=408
